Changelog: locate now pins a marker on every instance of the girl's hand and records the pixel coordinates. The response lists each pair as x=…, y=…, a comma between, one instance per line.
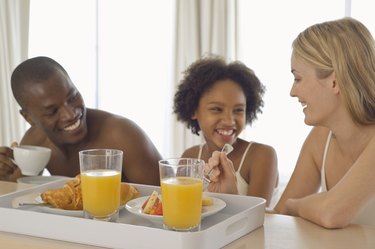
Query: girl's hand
x=222, y=174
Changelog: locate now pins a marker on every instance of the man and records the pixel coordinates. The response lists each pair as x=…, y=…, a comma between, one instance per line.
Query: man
x=59, y=120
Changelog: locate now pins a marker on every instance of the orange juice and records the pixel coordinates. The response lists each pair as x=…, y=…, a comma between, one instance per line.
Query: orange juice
x=101, y=191
x=182, y=201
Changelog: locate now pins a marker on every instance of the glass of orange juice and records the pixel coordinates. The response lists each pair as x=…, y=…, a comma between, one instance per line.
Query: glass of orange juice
x=101, y=183
x=181, y=181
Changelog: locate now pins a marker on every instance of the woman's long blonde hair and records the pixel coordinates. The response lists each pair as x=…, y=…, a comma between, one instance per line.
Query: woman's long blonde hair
x=347, y=48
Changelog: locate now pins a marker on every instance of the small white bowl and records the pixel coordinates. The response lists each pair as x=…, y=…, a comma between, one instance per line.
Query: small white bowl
x=31, y=159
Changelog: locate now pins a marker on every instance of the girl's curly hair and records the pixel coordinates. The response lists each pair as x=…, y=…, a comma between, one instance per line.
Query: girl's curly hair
x=202, y=74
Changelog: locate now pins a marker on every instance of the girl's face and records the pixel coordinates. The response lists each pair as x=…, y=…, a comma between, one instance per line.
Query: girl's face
x=221, y=113
x=317, y=96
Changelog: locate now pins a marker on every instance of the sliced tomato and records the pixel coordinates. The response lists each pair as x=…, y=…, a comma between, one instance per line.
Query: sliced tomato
x=153, y=209
x=156, y=209
x=159, y=209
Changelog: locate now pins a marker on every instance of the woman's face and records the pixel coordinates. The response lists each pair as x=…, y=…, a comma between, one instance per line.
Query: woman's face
x=56, y=107
x=221, y=113
x=317, y=96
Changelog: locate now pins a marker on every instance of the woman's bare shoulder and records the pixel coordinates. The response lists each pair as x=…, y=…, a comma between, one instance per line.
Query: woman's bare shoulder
x=318, y=133
x=315, y=142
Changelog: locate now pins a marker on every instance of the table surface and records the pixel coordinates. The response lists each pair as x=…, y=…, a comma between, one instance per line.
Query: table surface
x=278, y=231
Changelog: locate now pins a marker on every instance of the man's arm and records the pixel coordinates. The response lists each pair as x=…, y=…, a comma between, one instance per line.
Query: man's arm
x=140, y=155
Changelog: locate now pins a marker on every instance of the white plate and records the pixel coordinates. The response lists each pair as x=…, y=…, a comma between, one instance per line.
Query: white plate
x=135, y=207
x=59, y=211
x=39, y=179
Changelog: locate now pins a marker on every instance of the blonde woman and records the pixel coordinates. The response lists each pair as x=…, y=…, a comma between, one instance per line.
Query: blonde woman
x=333, y=183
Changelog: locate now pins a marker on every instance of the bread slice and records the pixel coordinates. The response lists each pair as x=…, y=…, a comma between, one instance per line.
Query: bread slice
x=151, y=202
x=128, y=192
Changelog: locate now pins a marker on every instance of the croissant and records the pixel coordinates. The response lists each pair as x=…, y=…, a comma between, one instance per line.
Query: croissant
x=69, y=197
x=127, y=193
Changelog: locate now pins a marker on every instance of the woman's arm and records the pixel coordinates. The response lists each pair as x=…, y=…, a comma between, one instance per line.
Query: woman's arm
x=305, y=179
x=337, y=207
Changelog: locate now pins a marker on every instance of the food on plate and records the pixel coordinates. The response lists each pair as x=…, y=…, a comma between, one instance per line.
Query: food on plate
x=69, y=197
x=128, y=192
x=153, y=205
x=207, y=201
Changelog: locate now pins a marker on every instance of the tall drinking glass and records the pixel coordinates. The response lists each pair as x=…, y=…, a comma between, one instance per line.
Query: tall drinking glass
x=101, y=183
x=181, y=188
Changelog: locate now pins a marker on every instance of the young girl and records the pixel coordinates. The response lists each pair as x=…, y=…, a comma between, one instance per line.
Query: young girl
x=219, y=99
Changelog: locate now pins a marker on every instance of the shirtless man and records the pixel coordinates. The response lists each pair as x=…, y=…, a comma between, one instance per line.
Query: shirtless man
x=59, y=120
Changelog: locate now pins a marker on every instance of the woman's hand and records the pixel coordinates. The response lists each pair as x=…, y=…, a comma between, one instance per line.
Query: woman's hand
x=222, y=174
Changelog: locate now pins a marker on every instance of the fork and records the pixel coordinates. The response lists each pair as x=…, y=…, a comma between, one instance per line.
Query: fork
x=33, y=204
x=227, y=148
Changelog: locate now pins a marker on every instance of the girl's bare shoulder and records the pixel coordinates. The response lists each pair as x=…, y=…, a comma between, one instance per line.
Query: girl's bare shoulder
x=191, y=152
x=261, y=150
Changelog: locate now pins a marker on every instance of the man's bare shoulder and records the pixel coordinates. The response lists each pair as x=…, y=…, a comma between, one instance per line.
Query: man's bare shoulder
x=109, y=120
x=115, y=128
x=140, y=154
x=117, y=123
x=34, y=136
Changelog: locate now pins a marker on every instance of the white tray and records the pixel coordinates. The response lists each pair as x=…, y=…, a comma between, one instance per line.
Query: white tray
x=242, y=215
